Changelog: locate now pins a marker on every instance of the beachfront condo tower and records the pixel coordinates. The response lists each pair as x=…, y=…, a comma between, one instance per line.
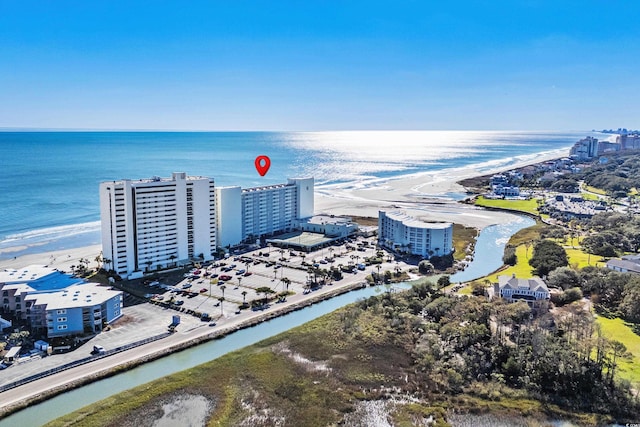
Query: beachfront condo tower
x=251, y=213
x=403, y=233
x=155, y=223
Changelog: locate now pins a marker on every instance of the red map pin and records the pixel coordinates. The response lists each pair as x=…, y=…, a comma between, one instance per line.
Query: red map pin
x=262, y=165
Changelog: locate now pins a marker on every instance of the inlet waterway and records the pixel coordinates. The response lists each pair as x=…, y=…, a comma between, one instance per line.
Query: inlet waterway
x=488, y=257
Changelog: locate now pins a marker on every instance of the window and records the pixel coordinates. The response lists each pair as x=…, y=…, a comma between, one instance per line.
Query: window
x=62, y=319
x=63, y=311
x=17, y=299
x=62, y=327
x=18, y=306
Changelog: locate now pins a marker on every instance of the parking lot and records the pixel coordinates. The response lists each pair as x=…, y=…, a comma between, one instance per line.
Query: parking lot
x=221, y=289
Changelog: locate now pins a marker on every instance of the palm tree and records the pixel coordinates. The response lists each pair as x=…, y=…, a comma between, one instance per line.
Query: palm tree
x=98, y=259
x=244, y=298
x=286, y=282
x=527, y=245
x=107, y=262
x=222, y=288
x=172, y=257
x=239, y=280
x=221, y=299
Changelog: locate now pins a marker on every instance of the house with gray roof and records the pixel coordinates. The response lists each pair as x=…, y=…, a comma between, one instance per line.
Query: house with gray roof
x=532, y=290
x=627, y=264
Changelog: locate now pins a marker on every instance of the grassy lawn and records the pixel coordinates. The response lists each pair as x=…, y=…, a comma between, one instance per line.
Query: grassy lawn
x=579, y=258
x=521, y=269
x=529, y=206
x=528, y=234
x=595, y=190
x=589, y=196
x=616, y=329
x=462, y=238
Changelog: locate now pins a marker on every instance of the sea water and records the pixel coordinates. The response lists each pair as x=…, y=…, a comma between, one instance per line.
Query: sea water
x=49, y=180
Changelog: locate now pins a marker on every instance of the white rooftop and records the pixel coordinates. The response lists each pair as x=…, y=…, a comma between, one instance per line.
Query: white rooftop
x=19, y=287
x=25, y=274
x=410, y=221
x=328, y=219
x=88, y=294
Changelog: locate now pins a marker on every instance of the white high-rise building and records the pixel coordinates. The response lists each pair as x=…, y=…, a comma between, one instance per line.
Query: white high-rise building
x=399, y=231
x=155, y=223
x=262, y=211
x=229, y=208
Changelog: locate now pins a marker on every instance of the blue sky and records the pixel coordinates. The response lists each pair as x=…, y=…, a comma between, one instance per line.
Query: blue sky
x=319, y=65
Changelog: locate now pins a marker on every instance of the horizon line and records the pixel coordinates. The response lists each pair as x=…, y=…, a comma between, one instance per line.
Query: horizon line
x=37, y=129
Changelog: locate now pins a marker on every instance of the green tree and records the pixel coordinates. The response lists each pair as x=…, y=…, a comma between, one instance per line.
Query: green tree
x=509, y=257
x=425, y=267
x=443, y=281
x=564, y=277
x=547, y=256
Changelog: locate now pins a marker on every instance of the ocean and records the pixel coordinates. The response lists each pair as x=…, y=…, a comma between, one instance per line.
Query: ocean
x=49, y=180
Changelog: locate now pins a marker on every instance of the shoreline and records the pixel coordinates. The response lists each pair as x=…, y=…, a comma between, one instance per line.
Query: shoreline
x=422, y=194
x=425, y=195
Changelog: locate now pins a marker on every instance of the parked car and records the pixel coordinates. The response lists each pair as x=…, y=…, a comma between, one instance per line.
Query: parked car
x=247, y=274
x=98, y=349
x=179, y=302
x=239, y=272
x=203, y=290
x=225, y=277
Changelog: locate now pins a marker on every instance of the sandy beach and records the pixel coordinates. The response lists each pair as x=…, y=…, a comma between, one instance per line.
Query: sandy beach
x=425, y=195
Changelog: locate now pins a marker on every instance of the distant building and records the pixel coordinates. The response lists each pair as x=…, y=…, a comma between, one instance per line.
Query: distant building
x=608, y=147
x=585, y=149
x=399, y=231
x=501, y=186
x=513, y=289
x=628, y=142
